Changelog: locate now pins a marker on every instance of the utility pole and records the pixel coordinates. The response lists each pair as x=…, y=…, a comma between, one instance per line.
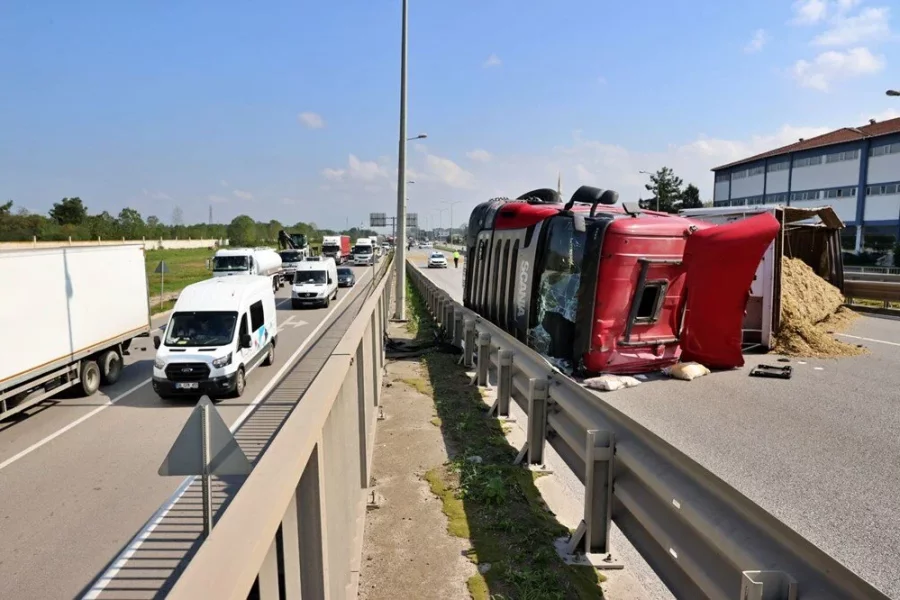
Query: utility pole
x=400, y=295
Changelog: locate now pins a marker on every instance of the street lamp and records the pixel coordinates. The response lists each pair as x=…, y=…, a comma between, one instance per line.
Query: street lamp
x=657, y=191
x=451, y=217
x=892, y=93
x=421, y=136
x=400, y=292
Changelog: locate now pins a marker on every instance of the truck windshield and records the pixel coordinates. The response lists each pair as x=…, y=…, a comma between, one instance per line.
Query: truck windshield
x=290, y=256
x=231, y=263
x=201, y=329
x=309, y=277
x=330, y=248
x=362, y=249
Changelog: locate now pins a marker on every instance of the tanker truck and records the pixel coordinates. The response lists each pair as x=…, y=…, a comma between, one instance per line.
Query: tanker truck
x=263, y=262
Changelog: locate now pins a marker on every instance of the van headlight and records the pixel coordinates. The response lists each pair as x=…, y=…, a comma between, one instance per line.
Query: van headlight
x=222, y=362
x=159, y=363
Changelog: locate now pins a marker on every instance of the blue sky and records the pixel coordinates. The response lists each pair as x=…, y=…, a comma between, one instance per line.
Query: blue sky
x=288, y=110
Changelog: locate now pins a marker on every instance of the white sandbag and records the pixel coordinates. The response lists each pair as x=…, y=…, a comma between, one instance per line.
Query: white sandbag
x=686, y=371
x=610, y=383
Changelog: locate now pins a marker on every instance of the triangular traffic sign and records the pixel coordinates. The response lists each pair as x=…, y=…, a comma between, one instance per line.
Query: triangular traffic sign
x=186, y=455
x=162, y=267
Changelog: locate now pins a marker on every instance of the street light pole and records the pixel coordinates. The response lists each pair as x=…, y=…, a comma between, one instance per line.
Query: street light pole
x=400, y=292
x=451, y=217
x=657, y=191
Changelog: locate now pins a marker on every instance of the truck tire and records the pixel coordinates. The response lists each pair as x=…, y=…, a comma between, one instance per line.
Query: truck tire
x=90, y=377
x=240, y=382
x=110, y=363
x=270, y=355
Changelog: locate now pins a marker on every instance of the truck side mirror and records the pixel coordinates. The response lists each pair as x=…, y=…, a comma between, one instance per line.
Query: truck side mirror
x=246, y=341
x=156, y=342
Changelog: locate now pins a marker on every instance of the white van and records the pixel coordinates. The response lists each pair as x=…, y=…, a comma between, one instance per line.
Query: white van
x=315, y=282
x=219, y=330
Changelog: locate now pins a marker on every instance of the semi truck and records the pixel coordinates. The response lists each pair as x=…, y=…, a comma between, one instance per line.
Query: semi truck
x=72, y=314
x=337, y=247
x=264, y=262
x=364, y=252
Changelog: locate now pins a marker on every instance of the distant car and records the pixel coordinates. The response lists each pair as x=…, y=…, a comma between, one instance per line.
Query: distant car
x=346, y=277
x=437, y=260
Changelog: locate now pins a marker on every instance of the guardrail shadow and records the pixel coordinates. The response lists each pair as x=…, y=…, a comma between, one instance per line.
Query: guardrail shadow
x=489, y=500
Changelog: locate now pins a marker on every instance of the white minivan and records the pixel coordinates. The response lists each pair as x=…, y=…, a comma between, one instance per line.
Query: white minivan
x=315, y=282
x=219, y=330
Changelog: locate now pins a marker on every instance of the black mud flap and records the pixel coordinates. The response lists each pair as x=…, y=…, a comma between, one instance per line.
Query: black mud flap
x=772, y=372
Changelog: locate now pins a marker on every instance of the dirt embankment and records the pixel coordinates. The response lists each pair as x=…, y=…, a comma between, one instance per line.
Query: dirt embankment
x=811, y=309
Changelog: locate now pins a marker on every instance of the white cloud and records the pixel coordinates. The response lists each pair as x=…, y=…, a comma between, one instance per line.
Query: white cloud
x=448, y=172
x=809, y=12
x=311, y=120
x=479, y=155
x=213, y=199
x=360, y=170
x=422, y=148
x=832, y=66
x=224, y=183
x=884, y=115
x=492, y=61
x=242, y=195
x=870, y=25
x=845, y=5
x=756, y=43
x=289, y=201
x=156, y=195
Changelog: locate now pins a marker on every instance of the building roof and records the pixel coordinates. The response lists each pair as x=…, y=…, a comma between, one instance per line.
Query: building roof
x=839, y=136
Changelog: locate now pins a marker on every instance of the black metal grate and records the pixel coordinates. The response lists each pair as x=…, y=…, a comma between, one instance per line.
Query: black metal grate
x=187, y=371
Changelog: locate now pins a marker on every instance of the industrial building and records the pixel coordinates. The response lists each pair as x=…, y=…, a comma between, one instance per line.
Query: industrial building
x=855, y=170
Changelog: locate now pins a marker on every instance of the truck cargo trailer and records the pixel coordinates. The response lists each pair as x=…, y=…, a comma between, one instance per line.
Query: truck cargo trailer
x=68, y=315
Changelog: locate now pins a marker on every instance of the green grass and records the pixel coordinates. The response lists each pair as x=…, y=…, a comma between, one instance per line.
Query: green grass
x=185, y=267
x=493, y=503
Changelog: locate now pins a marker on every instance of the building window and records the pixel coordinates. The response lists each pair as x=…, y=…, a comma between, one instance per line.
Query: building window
x=840, y=156
x=776, y=199
x=756, y=171
x=739, y=174
x=722, y=177
x=878, y=190
x=885, y=149
x=779, y=166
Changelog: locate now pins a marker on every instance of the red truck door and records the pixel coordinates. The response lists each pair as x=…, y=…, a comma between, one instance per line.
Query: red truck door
x=720, y=263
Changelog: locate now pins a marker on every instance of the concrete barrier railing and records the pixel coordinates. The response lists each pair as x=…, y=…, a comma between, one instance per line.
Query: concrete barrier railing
x=702, y=537
x=148, y=244
x=295, y=528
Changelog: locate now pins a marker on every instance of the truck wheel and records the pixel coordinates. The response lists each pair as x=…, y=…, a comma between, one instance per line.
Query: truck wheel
x=239, y=383
x=90, y=377
x=270, y=356
x=110, y=364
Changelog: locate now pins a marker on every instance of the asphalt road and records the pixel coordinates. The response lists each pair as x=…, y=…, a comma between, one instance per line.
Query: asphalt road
x=78, y=477
x=819, y=451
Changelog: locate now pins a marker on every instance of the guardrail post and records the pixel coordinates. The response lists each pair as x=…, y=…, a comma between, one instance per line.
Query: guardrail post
x=536, y=433
x=439, y=310
x=504, y=383
x=457, y=329
x=448, y=317
x=469, y=348
x=592, y=535
x=484, y=357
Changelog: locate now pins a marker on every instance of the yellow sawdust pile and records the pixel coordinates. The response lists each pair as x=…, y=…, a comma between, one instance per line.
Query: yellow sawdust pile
x=811, y=308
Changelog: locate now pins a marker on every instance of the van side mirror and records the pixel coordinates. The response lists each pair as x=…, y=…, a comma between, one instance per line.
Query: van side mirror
x=246, y=341
x=330, y=280
x=156, y=342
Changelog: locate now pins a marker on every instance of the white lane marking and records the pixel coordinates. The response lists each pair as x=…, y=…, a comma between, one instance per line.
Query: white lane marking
x=71, y=425
x=856, y=337
x=111, y=402
x=159, y=515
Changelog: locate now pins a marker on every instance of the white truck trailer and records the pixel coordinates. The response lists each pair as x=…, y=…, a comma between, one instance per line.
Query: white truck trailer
x=68, y=315
x=264, y=262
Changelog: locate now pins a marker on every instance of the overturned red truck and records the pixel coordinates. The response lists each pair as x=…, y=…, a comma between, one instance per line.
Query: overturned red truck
x=598, y=288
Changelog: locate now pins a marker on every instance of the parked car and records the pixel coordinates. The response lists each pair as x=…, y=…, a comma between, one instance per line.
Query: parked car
x=346, y=277
x=437, y=260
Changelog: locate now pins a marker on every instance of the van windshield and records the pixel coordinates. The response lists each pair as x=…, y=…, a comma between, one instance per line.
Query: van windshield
x=231, y=263
x=309, y=277
x=201, y=329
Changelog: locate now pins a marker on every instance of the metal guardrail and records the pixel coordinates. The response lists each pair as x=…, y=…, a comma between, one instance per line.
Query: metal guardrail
x=873, y=270
x=702, y=537
x=295, y=528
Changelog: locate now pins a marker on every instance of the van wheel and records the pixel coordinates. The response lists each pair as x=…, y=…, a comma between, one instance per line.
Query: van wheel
x=240, y=383
x=110, y=364
x=90, y=377
x=270, y=356
x=327, y=302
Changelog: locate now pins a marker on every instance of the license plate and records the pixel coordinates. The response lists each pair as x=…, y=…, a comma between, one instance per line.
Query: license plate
x=190, y=385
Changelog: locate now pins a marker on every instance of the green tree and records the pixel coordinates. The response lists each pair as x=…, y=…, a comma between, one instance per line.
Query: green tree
x=131, y=224
x=666, y=188
x=69, y=211
x=690, y=197
x=242, y=231
x=103, y=226
x=6, y=208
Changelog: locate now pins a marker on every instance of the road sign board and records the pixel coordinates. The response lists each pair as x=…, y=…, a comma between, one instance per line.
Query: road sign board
x=412, y=220
x=186, y=456
x=162, y=267
x=377, y=220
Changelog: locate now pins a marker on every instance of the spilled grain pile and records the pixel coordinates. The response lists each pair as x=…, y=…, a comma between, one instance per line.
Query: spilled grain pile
x=811, y=308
